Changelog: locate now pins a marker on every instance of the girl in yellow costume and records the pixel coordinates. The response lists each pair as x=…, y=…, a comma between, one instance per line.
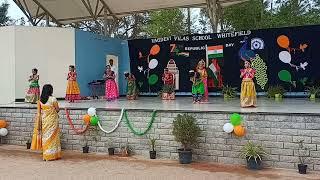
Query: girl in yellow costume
x=248, y=97
x=46, y=133
x=73, y=91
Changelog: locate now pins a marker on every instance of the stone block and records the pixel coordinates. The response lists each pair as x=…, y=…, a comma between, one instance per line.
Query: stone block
x=315, y=154
x=285, y=152
x=211, y=140
x=222, y=147
x=288, y=125
x=304, y=138
x=167, y=137
x=272, y=144
x=284, y=138
x=313, y=126
x=291, y=145
x=272, y=157
x=312, y=133
x=231, y=154
x=277, y=131
x=290, y=159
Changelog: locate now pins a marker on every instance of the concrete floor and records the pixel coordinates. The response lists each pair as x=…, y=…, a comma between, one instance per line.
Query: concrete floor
x=18, y=163
x=216, y=104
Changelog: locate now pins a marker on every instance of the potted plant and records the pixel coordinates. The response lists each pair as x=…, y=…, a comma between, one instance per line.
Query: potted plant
x=313, y=92
x=152, y=152
x=125, y=150
x=167, y=92
x=28, y=144
x=185, y=131
x=303, y=153
x=253, y=154
x=228, y=92
x=85, y=148
x=275, y=92
x=110, y=148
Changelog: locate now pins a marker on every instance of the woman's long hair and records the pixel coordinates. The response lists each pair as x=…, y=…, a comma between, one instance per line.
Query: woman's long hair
x=46, y=92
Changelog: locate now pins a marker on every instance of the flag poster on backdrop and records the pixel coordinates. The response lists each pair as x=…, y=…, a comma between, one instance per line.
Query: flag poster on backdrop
x=286, y=56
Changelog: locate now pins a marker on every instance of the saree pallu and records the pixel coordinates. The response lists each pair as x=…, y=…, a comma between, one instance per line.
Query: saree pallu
x=33, y=93
x=248, y=97
x=73, y=91
x=111, y=90
x=132, y=90
x=206, y=93
x=49, y=138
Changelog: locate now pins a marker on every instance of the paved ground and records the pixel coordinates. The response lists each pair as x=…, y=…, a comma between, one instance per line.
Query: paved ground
x=287, y=105
x=20, y=164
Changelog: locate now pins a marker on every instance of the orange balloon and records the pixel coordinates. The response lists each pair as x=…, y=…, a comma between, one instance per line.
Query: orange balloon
x=86, y=118
x=239, y=131
x=283, y=41
x=3, y=124
x=155, y=49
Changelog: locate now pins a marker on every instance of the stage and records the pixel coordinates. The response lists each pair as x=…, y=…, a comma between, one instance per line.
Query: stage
x=181, y=104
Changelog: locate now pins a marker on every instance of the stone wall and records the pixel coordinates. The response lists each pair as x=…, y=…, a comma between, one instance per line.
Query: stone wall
x=278, y=133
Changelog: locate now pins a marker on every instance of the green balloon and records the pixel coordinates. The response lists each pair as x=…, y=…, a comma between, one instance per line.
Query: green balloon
x=153, y=79
x=284, y=75
x=94, y=121
x=235, y=119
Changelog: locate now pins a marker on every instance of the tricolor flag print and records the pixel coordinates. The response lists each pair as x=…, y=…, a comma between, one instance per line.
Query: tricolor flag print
x=215, y=51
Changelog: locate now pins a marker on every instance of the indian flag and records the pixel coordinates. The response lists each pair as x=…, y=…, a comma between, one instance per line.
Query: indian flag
x=214, y=51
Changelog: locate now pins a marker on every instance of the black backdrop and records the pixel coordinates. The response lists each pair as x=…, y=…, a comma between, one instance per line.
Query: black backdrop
x=304, y=46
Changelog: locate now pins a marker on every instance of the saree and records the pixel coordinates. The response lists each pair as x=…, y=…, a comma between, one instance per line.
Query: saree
x=73, y=90
x=131, y=89
x=111, y=90
x=248, y=97
x=46, y=134
x=33, y=92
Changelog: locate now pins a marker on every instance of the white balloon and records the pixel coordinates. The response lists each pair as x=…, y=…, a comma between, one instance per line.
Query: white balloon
x=228, y=127
x=285, y=56
x=92, y=111
x=153, y=63
x=3, y=132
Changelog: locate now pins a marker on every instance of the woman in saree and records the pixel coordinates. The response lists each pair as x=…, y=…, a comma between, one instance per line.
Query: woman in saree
x=46, y=134
x=132, y=91
x=111, y=85
x=248, y=97
x=73, y=90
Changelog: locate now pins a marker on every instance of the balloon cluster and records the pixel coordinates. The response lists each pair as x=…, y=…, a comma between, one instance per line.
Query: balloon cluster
x=235, y=125
x=91, y=117
x=3, y=130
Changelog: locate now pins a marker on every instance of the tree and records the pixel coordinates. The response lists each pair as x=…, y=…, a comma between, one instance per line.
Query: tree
x=4, y=18
x=258, y=14
x=165, y=23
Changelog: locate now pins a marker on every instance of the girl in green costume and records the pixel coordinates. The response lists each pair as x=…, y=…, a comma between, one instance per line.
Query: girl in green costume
x=197, y=88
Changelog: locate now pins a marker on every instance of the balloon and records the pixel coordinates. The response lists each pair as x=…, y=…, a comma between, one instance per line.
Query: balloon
x=153, y=63
x=239, y=131
x=155, y=49
x=3, y=132
x=86, y=118
x=92, y=111
x=283, y=41
x=285, y=56
x=285, y=76
x=3, y=124
x=94, y=121
x=235, y=119
x=228, y=127
x=153, y=79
